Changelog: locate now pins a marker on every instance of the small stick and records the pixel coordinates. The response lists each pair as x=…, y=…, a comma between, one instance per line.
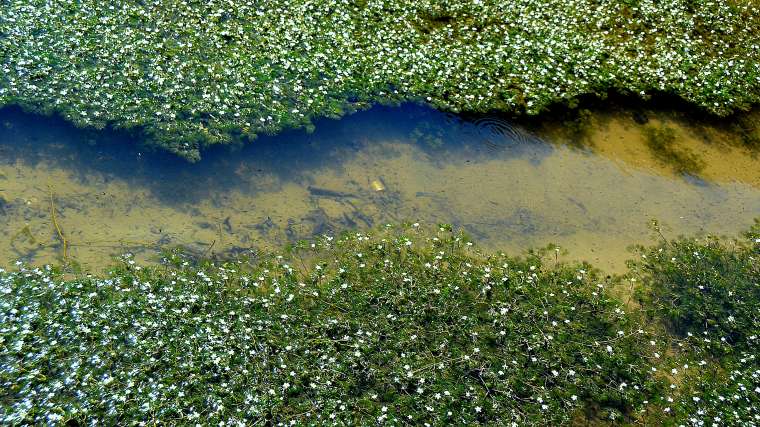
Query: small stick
x=208, y=249
x=55, y=224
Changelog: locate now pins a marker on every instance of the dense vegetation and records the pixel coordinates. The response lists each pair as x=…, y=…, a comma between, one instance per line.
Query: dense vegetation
x=706, y=297
x=187, y=73
x=401, y=326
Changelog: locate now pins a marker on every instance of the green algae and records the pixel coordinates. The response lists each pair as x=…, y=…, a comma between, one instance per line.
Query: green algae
x=187, y=75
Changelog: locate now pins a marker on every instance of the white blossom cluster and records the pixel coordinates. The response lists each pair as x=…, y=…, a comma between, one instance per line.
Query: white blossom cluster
x=191, y=73
x=377, y=332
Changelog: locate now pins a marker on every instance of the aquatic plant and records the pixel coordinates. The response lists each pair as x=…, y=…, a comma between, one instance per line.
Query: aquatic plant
x=399, y=326
x=746, y=126
x=187, y=75
x=406, y=327
x=429, y=135
x=578, y=128
x=661, y=141
x=705, y=295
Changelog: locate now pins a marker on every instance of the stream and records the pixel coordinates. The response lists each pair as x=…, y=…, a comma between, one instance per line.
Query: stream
x=509, y=188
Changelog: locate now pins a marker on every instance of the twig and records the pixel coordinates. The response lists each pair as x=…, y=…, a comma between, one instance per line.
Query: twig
x=658, y=229
x=208, y=249
x=58, y=228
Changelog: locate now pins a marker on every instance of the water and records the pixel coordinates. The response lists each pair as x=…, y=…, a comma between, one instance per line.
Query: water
x=508, y=188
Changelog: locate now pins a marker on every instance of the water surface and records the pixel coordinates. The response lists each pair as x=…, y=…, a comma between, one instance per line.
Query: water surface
x=508, y=188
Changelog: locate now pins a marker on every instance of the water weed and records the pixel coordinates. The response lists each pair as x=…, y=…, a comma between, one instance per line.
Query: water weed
x=392, y=327
x=661, y=142
x=405, y=328
x=704, y=295
x=192, y=74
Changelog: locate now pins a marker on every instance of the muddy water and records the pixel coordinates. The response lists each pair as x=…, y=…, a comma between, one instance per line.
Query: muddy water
x=509, y=189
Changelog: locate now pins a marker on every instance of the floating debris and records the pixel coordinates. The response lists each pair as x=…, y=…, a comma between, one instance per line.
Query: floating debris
x=377, y=185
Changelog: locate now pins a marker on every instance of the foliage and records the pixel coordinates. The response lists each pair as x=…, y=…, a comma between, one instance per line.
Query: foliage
x=190, y=74
x=707, y=295
x=400, y=326
x=395, y=328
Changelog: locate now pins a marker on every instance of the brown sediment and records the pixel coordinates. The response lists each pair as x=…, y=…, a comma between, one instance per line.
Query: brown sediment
x=617, y=136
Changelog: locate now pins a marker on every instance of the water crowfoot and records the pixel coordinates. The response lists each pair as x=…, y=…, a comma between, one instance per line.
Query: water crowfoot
x=188, y=75
x=428, y=331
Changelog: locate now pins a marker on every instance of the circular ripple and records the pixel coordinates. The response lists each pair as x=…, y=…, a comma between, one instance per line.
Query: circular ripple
x=498, y=133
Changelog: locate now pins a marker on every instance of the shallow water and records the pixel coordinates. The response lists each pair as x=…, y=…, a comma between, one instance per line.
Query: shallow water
x=509, y=189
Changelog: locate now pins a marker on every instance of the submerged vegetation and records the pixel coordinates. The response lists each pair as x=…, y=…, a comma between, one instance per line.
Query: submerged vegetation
x=189, y=74
x=661, y=141
x=746, y=126
x=579, y=127
x=399, y=326
x=705, y=296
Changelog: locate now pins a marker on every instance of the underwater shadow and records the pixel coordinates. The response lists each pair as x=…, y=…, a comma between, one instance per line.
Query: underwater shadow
x=264, y=164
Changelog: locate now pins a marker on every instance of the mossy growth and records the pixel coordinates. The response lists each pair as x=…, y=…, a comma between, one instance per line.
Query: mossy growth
x=661, y=141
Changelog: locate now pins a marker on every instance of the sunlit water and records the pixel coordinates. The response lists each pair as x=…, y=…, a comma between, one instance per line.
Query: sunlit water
x=506, y=188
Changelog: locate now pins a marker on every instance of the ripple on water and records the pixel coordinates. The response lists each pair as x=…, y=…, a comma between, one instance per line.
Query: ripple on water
x=498, y=134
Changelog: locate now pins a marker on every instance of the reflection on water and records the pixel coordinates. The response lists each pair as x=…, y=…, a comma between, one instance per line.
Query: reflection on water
x=507, y=188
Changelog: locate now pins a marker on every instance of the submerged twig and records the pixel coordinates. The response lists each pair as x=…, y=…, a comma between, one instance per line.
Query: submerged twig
x=57, y=227
x=657, y=228
x=208, y=249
